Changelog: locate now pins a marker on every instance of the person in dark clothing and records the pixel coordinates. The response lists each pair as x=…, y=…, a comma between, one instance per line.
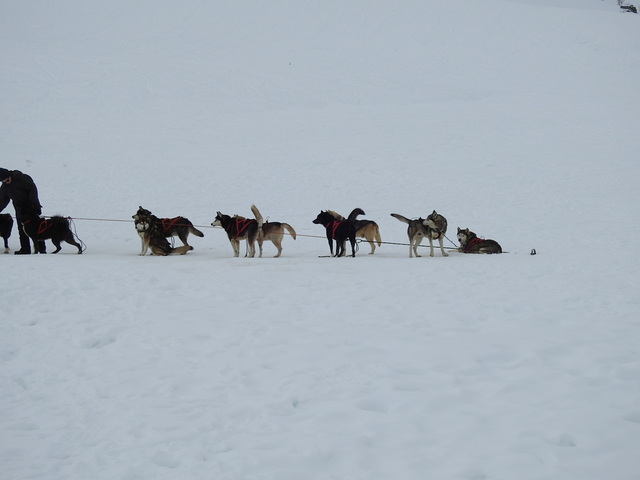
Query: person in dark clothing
x=19, y=188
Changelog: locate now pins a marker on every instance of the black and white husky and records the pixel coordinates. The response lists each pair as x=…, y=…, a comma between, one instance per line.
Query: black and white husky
x=240, y=228
x=470, y=243
x=168, y=227
x=153, y=239
x=434, y=227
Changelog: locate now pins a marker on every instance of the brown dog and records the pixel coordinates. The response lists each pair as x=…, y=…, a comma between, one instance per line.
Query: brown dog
x=274, y=232
x=367, y=229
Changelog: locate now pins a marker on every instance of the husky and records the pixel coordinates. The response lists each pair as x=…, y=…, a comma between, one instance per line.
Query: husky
x=340, y=230
x=6, y=224
x=55, y=228
x=416, y=231
x=433, y=227
x=470, y=243
x=169, y=227
x=274, y=232
x=153, y=239
x=240, y=228
x=438, y=228
x=367, y=229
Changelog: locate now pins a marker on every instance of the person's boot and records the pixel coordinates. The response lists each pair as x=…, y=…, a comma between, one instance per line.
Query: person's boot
x=25, y=242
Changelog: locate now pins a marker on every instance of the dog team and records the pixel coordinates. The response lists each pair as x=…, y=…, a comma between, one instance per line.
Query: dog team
x=154, y=231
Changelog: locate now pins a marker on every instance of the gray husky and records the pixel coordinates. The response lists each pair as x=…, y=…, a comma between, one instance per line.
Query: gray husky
x=438, y=228
x=433, y=227
x=470, y=243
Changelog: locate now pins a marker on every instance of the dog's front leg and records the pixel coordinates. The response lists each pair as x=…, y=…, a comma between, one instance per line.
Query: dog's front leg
x=441, y=242
x=143, y=246
x=330, y=240
x=235, y=244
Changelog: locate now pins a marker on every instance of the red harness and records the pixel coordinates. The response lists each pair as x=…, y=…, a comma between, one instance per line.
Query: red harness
x=43, y=226
x=168, y=223
x=333, y=226
x=471, y=243
x=241, y=225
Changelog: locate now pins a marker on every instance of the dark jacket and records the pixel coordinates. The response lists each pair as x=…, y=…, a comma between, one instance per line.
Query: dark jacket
x=24, y=194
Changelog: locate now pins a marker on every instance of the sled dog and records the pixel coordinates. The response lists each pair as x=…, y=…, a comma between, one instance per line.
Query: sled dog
x=179, y=227
x=240, y=228
x=340, y=230
x=470, y=243
x=367, y=229
x=416, y=231
x=6, y=224
x=154, y=239
x=437, y=229
x=56, y=229
x=433, y=227
x=274, y=232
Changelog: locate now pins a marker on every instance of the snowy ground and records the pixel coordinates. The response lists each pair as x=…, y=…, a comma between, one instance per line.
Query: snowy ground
x=517, y=119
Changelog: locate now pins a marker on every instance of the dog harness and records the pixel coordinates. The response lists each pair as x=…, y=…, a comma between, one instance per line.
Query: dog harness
x=168, y=223
x=43, y=226
x=334, y=226
x=470, y=244
x=241, y=225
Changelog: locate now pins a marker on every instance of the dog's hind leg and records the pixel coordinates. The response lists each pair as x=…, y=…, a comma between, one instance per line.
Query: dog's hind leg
x=183, y=235
x=414, y=243
x=57, y=243
x=72, y=241
x=252, y=248
x=372, y=245
x=352, y=240
x=182, y=250
x=277, y=241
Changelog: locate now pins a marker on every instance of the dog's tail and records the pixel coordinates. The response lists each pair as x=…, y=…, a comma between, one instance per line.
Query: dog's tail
x=397, y=216
x=289, y=229
x=60, y=220
x=256, y=213
x=354, y=214
x=377, y=236
x=195, y=231
x=181, y=250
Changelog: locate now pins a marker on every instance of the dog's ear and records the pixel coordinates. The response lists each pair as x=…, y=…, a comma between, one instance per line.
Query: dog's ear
x=459, y=229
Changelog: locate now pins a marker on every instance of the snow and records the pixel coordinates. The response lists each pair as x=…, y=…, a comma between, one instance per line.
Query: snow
x=516, y=119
